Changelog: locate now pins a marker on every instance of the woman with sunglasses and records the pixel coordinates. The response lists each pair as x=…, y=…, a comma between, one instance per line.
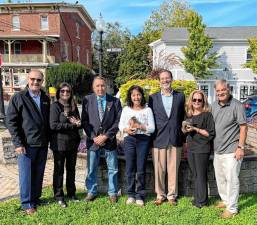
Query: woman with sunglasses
x=200, y=132
x=65, y=138
x=137, y=125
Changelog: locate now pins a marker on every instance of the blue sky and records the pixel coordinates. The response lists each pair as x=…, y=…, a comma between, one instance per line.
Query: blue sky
x=133, y=13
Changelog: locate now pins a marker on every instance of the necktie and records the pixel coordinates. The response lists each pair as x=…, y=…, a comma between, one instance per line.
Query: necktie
x=100, y=109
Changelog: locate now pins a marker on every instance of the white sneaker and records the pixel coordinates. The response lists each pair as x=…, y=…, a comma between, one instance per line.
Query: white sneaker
x=130, y=201
x=140, y=202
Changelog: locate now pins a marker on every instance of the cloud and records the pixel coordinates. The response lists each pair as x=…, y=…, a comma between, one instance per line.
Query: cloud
x=214, y=1
x=145, y=4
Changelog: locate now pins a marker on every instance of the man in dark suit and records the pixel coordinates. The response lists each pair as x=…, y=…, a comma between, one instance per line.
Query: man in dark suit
x=168, y=110
x=28, y=122
x=100, y=118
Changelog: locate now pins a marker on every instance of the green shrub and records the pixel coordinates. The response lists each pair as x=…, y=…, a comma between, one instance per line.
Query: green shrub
x=76, y=74
x=152, y=86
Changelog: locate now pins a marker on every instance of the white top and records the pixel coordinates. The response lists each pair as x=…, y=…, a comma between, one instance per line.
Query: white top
x=144, y=116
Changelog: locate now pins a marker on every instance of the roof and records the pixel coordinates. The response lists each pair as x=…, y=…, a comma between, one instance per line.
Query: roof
x=218, y=33
x=51, y=38
x=53, y=5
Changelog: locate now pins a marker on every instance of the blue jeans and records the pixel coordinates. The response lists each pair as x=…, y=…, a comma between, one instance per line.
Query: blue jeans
x=31, y=174
x=93, y=157
x=136, y=149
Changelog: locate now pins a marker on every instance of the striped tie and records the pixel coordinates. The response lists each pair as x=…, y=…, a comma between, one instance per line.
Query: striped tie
x=100, y=109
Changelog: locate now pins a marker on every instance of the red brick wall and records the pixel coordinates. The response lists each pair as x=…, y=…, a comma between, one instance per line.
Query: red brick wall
x=30, y=25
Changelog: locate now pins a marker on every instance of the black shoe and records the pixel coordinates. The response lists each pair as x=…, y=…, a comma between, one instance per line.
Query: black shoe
x=62, y=203
x=73, y=198
x=41, y=202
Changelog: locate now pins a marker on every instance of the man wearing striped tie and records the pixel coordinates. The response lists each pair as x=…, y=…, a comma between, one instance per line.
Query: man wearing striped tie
x=100, y=118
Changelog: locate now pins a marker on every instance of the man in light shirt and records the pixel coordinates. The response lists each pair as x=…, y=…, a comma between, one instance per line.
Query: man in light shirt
x=168, y=109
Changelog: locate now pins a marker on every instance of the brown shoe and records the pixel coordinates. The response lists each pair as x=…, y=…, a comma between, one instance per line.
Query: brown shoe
x=159, y=201
x=30, y=211
x=172, y=202
x=90, y=198
x=113, y=198
x=227, y=215
x=220, y=205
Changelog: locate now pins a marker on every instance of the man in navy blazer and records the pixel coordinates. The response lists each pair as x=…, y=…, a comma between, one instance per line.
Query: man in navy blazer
x=168, y=110
x=100, y=118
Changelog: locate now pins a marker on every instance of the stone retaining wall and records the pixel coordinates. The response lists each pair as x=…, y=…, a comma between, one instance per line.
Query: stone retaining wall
x=248, y=177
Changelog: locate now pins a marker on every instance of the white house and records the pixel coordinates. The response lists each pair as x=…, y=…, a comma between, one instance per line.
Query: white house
x=231, y=44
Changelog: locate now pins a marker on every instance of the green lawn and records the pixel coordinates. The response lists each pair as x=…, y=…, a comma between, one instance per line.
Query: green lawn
x=102, y=212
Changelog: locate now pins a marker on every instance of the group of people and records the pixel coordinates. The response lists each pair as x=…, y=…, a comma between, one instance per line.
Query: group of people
x=163, y=124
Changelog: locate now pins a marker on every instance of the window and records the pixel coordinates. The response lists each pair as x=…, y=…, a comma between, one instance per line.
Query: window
x=6, y=78
x=248, y=55
x=44, y=22
x=205, y=89
x=77, y=30
x=6, y=49
x=253, y=90
x=17, y=48
x=78, y=50
x=16, y=23
x=243, y=92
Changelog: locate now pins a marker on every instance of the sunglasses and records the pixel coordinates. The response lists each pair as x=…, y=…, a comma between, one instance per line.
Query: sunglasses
x=197, y=100
x=65, y=90
x=35, y=79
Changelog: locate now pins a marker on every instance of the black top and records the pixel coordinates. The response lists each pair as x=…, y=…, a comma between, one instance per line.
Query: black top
x=28, y=125
x=65, y=135
x=198, y=143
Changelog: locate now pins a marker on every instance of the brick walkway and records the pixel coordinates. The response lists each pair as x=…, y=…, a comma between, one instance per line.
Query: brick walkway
x=9, y=178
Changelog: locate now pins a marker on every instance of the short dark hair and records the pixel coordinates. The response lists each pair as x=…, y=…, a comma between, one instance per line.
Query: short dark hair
x=140, y=90
x=164, y=71
x=62, y=85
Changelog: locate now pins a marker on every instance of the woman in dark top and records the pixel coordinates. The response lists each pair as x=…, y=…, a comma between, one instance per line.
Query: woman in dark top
x=200, y=130
x=65, y=124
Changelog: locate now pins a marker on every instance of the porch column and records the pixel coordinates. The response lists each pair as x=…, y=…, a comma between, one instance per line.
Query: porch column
x=44, y=50
x=9, y=50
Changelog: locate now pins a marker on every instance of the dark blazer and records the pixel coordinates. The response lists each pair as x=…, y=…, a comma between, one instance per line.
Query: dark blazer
x=28, y=125
x=91, y=122
x=65, y=135
x=168, y=128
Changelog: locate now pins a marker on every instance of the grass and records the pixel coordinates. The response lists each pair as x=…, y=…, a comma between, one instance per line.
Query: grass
x=102, y=212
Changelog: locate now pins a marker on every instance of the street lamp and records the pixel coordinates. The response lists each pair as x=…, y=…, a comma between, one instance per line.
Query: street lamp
x=100, y=27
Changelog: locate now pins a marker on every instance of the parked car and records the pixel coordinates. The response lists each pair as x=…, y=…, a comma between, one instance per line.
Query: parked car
x=250, y=105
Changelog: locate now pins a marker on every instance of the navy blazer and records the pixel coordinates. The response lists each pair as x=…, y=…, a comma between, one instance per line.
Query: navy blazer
x=93, y=126
x=168, y=128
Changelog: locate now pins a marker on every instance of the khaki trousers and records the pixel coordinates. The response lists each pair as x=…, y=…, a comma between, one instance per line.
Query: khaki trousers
x=166, y=160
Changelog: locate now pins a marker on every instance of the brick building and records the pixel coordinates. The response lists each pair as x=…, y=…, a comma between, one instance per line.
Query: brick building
x=41, y=35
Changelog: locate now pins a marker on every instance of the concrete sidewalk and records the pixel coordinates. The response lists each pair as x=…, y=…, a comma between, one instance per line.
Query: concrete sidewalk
x=9, y=178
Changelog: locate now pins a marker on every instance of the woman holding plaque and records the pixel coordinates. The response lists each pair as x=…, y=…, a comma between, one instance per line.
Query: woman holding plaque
x=137, y=125
x=200, y=131
x=65, y=124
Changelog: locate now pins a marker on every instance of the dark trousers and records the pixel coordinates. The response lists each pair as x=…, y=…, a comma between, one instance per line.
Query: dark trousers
x=198, y=163
x=31, y=174
x=136, y=150
x=69, y=158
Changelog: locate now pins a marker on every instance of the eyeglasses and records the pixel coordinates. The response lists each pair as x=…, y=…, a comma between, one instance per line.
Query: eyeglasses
x=65, y=90
x=35, y=79
x=197, y=100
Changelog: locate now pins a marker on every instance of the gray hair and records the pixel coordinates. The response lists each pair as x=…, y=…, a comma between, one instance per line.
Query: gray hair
x=99, y=77
x=222, y=82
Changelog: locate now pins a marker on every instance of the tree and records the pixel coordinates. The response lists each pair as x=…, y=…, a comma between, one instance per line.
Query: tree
x=77, y=75
x=115, y=37
x=135, y=62
x=172, y=13
x=198, y=56
x=252, y=63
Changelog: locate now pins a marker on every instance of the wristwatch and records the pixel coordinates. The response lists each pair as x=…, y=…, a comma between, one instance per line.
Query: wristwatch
x=241, y=147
